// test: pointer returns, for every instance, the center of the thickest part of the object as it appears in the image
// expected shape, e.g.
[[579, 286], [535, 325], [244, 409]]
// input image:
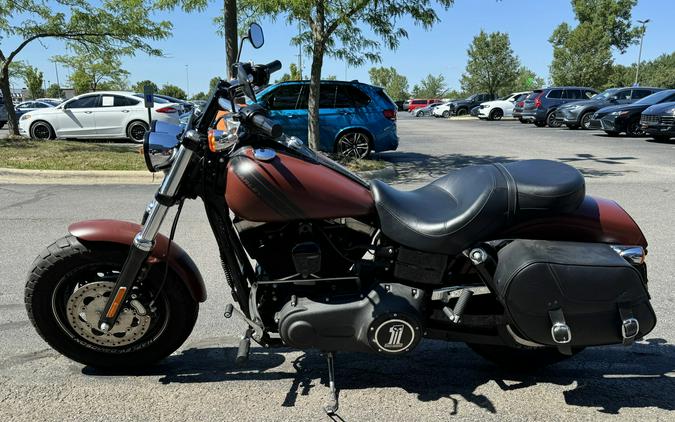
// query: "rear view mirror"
[[255, 35]]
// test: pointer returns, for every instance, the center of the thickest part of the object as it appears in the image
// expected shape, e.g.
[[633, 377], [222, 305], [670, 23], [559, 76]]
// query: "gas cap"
[[264, 154]]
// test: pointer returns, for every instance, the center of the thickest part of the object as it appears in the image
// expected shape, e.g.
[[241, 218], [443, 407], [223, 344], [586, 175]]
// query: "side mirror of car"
[[613, 99]]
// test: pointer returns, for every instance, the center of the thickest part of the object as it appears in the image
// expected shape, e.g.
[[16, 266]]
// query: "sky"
[[195, 53]]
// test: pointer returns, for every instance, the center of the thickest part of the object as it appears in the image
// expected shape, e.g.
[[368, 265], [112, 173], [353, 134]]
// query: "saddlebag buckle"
[[561, 333], [629, 330]]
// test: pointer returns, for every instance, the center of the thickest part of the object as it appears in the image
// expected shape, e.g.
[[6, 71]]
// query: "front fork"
[[144, 241]]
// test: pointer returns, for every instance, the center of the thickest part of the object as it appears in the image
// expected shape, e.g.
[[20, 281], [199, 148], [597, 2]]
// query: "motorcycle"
[[513, 259]]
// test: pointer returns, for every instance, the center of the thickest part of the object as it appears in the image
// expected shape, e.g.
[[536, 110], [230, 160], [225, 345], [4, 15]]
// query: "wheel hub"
[[84, 309]]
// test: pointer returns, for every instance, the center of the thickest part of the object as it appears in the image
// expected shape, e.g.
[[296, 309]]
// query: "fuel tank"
[[597, 220], [274, 185]]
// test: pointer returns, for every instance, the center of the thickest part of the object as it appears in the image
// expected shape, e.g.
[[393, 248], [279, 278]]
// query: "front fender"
[[123, 232]]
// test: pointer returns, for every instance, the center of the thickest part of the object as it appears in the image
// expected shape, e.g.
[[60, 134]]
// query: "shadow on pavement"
[[606, 378]]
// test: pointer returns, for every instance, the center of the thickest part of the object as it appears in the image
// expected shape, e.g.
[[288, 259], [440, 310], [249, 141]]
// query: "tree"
[[492, 65], [115, 26], [172, 91], [94, 70], [659, 72], [200, 96], [526, 80], [583, 55], [34, 81], [140, 86], [395, 85], [213, 84], [430, 87], [293, 76], [53, 91], [336, 28]]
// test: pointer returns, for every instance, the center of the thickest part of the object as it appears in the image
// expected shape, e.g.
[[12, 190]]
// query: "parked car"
[[503, 107], [658, 121], [415, 103], [518, 108], [540, 108], [355, 118], [109, 114], [55, 101], [3, 114], [474, 111], [578, 114], [401, 105], [185, 106], [626, 117], [442, 110], [26, 106], [426, 111], [461, 107]]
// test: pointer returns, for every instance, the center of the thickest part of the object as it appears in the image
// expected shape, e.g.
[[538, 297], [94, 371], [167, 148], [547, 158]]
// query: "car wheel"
[[612, 133], [539, 124], [585, 121], [446, 114], [419, 114], [353, 145], [634, 129], [496, 114], [550, 120], [461, 112], [136, 131], [42, 131], [523, 121]]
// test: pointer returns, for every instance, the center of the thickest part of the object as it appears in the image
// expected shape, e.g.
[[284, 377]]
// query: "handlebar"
[[273, 66], [254, 115]]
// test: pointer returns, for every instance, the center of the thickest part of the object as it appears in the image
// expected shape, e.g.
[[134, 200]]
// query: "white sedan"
[[503, 107], [97, 115]]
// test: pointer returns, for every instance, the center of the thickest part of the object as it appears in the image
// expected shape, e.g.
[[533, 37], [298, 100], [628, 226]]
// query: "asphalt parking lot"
[[438, 381]]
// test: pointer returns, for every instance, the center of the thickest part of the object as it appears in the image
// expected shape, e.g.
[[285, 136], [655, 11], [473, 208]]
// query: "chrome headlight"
[[26, 117], [159, 148]]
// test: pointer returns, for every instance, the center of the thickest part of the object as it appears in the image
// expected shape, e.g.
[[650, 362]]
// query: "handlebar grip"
[[268, 126], [273, 66]]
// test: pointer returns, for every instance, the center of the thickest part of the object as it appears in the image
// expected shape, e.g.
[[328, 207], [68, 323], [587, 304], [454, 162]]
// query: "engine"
[[387, 321]]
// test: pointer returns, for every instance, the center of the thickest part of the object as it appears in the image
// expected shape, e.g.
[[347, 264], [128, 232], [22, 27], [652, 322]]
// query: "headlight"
[[485, 106], [26, 117], [620, 113], [159, 148], [220, 140]]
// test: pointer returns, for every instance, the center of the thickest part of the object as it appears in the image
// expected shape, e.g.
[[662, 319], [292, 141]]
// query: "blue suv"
[[354, 118]]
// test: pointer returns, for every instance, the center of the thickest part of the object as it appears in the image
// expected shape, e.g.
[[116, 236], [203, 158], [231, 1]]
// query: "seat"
[[471, 204]]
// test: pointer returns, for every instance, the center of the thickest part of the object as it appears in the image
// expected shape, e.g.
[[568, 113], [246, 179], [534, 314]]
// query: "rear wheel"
[[521, 358], [550, 120], [353, 145], [136, 130], [496, 114], [41, 130], [585, 120], [68, 288]]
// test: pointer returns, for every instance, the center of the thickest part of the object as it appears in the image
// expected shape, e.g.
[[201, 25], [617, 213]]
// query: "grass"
[[21, 153], [356, 165]]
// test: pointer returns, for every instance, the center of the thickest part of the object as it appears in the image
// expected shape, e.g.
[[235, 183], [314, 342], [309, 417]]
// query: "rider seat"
[[473, 203]]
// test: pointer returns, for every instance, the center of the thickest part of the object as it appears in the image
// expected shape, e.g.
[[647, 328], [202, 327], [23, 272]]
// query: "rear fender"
[[123, 232]]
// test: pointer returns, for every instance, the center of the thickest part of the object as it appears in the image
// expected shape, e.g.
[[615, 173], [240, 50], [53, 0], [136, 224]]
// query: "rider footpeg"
[[244, 347], [455, 314]]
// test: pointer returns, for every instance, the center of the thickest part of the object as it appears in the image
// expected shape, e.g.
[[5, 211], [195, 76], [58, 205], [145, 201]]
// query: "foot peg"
[[455, 314], [244, 347], [331, 407]]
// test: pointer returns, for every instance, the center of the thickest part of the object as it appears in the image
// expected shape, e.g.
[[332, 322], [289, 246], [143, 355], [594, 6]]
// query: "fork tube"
[[144, 241]]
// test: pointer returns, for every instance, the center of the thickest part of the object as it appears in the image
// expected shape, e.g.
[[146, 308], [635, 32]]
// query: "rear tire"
[[550, 120], [353, 144], [66, 267], [520, 358]]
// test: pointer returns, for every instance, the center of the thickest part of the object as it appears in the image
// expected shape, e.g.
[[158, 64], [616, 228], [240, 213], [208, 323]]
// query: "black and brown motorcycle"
[[513, 259]]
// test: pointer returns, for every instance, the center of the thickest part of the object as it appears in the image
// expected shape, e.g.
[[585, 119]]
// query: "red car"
[[415, 103]]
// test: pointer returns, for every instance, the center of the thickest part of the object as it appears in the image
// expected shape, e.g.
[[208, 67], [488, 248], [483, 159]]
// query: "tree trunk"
[[231, 36], [13, 124], [318, 38]]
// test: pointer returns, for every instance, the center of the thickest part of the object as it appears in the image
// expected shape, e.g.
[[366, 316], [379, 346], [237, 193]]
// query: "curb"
[[79, 177]]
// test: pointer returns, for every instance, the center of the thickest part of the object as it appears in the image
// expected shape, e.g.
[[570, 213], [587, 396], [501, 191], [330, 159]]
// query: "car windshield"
[[656, 98], [155, 98], [506, 98], [471, 98], [604, 95]]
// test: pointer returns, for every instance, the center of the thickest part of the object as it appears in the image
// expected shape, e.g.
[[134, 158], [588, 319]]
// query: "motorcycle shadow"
[[606, 378]]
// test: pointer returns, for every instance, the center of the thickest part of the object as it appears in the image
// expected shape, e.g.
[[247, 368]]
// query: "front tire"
[[585, 120], [446, 114], [63, 311], [496, 114], [461, 112], [520, 358], [42, 131], [634, 129]]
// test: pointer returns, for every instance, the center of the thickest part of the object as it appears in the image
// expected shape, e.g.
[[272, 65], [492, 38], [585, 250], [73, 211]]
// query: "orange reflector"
[[116, 303]]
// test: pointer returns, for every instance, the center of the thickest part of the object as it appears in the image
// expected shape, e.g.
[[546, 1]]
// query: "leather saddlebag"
[[572, 294]]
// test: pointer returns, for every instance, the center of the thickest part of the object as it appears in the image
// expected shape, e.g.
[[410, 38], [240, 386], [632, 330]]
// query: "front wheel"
[[635, 129], [446, 114], [585, 120], [67, 290], [520, 358], [136, 131], [41, 131], [496, 114], [461, 112]]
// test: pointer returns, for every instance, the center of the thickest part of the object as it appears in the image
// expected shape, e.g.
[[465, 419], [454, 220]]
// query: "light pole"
[[187, 78], [642, 37]]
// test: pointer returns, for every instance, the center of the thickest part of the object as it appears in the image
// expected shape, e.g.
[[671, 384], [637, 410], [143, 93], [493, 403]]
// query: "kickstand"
[[331, 407]]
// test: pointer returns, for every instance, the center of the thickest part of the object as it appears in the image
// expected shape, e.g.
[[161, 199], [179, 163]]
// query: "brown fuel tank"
[[287, 187]]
